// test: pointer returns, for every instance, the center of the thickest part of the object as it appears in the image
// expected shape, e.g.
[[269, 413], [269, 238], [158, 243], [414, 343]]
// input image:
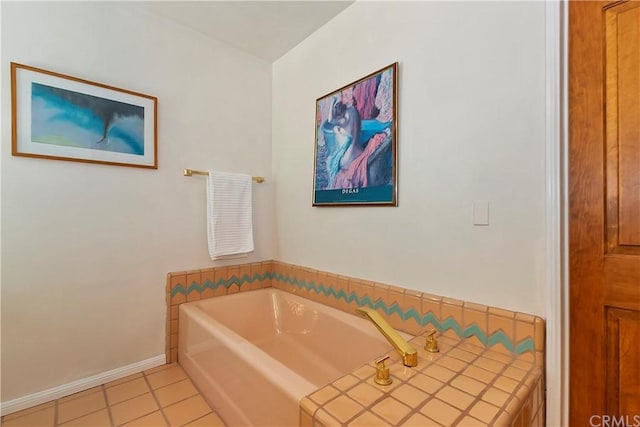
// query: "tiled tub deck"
[[463, 385], [489, 370]]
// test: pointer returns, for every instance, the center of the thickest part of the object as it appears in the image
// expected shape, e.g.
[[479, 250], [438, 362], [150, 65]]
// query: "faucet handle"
[[431, 345], [382, 372]]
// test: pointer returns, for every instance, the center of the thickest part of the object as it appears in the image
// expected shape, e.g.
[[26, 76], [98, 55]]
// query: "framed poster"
[[355, 143], [66, 118]]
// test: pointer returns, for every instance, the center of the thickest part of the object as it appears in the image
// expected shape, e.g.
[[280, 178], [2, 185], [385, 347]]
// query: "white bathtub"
[[254, 355]]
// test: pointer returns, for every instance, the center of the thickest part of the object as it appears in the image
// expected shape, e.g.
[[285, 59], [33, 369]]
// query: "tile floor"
[[162, 396]]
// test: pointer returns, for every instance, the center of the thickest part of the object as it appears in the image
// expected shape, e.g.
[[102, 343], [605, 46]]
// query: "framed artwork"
[[355, 143], [66, 118]]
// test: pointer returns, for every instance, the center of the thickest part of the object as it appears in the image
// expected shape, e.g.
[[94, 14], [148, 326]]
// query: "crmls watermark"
[[614, 421]]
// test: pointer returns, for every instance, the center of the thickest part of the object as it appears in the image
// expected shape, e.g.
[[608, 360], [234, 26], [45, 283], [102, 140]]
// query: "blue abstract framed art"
[[355, 160], [60, 117]]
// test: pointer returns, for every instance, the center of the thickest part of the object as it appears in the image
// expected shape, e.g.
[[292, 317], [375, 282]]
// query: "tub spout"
[[406, 350]]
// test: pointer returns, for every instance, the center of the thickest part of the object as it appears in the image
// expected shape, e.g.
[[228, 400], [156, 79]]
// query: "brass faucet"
[[431, 345], [406, 350]]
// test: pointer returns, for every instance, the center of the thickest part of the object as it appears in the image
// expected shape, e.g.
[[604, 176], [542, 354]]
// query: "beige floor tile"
[[125, 391], [123, 380], [84, 405], [27, 411], [154, 419], [186, 411], [41, 418], [133, 408], [133, 403], [175, 392], [166, 377], [160, 368], [96, 419], [211, 420], [79, 394]]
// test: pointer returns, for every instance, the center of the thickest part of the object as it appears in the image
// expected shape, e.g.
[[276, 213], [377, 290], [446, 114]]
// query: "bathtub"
[[254, 355]]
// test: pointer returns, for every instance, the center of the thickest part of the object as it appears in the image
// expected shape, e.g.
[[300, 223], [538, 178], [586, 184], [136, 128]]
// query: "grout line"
[[168, 384], [430, 396], [108, 406], [153, 394], [104, 393], [199, 418], [182, 400], [57, 402], [55, 412], [179, 381], [126, 400], [81, 416], [141, 416], [119, 381], [464, 412]]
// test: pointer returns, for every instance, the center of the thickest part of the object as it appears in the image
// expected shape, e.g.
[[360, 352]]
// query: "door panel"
[[623, 363], [604, 209], [622, 105]]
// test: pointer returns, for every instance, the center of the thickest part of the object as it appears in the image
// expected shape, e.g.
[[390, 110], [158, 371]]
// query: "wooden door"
[[604, 212]]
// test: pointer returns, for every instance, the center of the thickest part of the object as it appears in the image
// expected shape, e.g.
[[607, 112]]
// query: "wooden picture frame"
[[60, 117], [355, 161]]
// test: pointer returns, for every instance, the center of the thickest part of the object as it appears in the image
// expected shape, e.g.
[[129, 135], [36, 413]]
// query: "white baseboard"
[[79, 385]]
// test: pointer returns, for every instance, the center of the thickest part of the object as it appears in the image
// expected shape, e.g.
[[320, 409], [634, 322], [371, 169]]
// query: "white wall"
[[86, 247], [471, 127]]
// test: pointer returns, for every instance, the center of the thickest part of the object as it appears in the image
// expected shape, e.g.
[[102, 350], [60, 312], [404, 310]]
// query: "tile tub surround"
[[187, 286], [463, 385], [415, 312], [407, 310], [515, 337]]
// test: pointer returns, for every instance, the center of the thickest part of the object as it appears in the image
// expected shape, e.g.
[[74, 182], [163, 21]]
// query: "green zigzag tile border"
[[498, 337], [225, 283]]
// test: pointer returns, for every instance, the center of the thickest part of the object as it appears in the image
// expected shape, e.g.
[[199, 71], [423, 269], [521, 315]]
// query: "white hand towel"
[[229, 223]]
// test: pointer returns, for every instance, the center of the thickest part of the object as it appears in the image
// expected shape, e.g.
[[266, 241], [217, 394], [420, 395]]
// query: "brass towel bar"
[[189, 172]]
